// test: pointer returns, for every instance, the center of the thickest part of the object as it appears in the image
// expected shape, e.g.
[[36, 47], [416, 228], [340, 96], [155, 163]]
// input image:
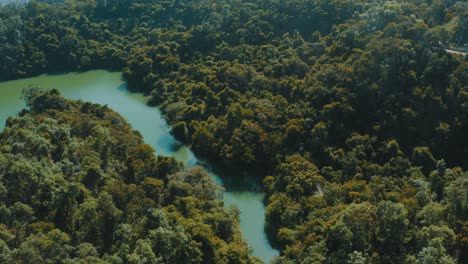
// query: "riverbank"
[[108, 88]]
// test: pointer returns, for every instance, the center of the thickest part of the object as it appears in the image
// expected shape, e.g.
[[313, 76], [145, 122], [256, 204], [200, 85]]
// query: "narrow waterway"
[[105, 87]]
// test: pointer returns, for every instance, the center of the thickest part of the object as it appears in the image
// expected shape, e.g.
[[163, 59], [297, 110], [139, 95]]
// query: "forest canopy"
[[351, 111]]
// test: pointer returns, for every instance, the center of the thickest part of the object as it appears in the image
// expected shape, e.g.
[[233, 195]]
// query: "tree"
[[434, 253], [392, 228]]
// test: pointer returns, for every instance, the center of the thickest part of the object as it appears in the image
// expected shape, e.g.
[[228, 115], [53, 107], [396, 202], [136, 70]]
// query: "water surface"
[[105, 87]]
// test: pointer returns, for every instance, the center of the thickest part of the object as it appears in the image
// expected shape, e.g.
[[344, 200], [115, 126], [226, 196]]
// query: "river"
[[105, 87]]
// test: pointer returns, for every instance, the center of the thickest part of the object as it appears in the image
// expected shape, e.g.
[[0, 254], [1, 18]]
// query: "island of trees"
[[350, 111]]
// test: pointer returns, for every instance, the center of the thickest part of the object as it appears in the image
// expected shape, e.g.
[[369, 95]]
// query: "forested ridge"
[[351, 111], [78, 185]]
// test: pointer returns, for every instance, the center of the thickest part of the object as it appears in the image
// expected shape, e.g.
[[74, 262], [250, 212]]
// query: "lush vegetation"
[[353, 108], [77, 185]]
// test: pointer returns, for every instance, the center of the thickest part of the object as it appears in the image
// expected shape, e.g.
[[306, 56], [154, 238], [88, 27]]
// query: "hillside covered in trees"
[[77, 185], [350, 111]]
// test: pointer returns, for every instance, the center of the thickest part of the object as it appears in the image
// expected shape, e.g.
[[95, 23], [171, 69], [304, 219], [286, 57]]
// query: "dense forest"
[[351, 111], [77, 185]]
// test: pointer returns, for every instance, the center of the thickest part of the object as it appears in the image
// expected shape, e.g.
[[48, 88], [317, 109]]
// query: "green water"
[[105, 87]]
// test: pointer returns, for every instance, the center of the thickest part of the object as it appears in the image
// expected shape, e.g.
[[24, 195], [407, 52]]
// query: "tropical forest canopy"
[[351, 111]]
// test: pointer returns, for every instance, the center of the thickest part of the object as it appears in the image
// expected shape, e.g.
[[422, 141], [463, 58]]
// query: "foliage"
[[351, 111]]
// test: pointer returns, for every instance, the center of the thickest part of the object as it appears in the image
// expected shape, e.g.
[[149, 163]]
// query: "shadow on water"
[[174, 146], [123, 87], [235, 180]]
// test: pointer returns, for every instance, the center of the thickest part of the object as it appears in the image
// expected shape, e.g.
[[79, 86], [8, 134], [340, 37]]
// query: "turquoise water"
[[105, 87]]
